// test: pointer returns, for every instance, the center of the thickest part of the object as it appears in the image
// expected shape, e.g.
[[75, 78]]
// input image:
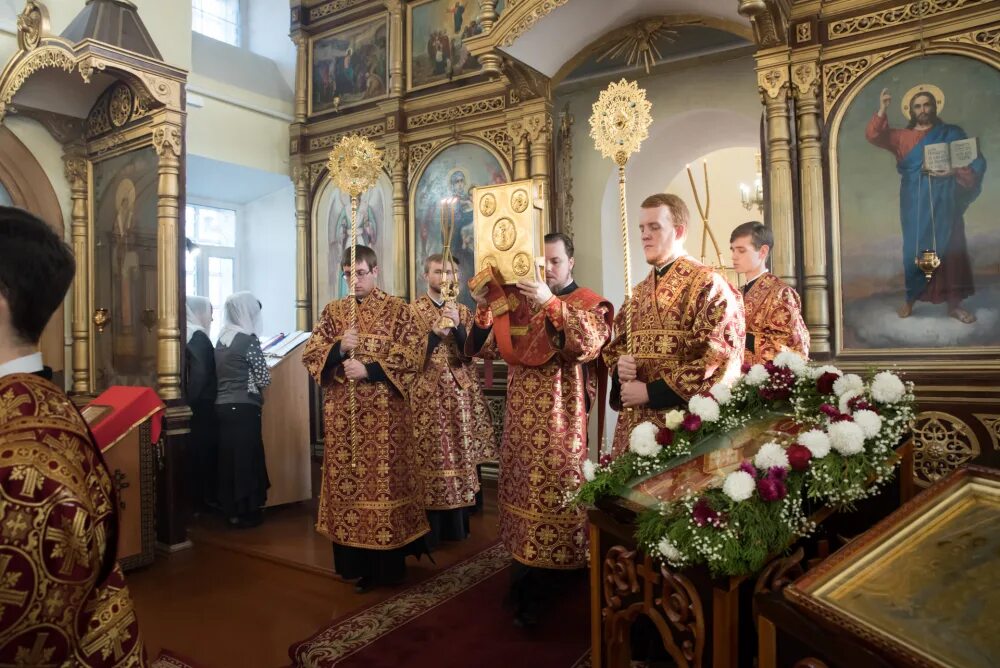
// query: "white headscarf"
[[199, 316], [240, 315]]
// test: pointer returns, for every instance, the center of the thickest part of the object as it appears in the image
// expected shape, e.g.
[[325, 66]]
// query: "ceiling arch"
[[571, 29]]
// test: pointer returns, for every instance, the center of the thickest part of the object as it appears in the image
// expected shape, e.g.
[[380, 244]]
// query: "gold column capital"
[[773, 82], [167, 140], [805, 79]]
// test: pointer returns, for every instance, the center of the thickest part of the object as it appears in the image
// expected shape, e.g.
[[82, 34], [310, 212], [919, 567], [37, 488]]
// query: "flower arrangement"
[[842, 451]]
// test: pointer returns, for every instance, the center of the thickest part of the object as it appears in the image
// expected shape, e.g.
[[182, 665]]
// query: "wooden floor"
[[241, 597]]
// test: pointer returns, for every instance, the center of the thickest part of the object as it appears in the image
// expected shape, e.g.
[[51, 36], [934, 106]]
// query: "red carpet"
[[454, 620]]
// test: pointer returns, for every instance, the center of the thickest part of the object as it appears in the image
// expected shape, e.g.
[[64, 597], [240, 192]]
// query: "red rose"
[[691, 422], [824, 384], [664, 436], [798, 456], [771, 489]]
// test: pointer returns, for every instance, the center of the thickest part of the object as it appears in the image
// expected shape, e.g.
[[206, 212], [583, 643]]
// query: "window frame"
[[209, 251], [241, 24]]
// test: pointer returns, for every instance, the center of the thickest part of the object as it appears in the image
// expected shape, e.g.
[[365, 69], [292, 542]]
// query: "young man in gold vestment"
[[687, 326], [63, 599], [371, 504], [772, 308], [451, 423], [544, 440]]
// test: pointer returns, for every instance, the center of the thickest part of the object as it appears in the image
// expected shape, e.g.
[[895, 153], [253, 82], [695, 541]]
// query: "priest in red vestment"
[[771, 307], [544, 444], [370, 504], [63, 599], [687, 326], [451, 424]]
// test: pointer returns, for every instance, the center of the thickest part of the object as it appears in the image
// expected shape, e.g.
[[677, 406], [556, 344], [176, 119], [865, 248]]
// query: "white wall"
[[267, 257]]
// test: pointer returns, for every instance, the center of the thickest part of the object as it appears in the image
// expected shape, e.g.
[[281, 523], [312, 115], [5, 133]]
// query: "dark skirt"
[[243, 480], [378, 567], [448, 525], [203, 456]]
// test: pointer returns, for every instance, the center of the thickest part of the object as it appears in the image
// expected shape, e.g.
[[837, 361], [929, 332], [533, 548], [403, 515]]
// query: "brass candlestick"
[[354, 167], [618, 125]]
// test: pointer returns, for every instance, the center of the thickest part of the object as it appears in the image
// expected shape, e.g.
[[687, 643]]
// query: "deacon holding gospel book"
[[941, 175]]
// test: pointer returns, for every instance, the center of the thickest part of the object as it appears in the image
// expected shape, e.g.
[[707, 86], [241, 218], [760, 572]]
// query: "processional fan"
[[354, 166]]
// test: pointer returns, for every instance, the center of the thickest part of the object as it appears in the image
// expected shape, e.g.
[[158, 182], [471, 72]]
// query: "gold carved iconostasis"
[[400, 74], [880, 127], [103, 92]]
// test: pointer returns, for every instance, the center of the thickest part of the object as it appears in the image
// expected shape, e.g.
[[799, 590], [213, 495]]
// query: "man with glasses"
[[370, 504]]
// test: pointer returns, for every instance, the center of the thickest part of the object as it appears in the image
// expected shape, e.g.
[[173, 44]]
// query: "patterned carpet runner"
[[454, 620]]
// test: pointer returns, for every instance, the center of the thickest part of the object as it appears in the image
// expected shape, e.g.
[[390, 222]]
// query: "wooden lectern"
[[126, 423], [285, 421]]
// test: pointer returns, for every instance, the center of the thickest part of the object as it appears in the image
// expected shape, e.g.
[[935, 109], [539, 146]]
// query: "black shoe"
[[364, 585]]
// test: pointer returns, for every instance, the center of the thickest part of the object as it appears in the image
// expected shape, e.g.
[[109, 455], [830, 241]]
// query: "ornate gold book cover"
[[509, 225]]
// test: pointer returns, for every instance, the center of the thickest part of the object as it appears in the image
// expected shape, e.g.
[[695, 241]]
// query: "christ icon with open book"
[[941, 174]]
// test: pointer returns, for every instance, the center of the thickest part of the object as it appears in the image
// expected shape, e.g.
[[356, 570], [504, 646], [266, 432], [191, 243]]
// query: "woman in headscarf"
[[200, 386], [243, 375]]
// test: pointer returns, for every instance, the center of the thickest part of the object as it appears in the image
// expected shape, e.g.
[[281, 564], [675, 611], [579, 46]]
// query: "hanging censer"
[[927, 260]]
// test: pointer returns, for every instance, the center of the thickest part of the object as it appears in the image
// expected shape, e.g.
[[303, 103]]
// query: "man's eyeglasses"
[[361, 274]]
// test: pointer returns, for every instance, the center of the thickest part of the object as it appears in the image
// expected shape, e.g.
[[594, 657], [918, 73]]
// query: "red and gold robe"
[[773, 314], [63, 598], [452, 433], [544, 440], [687, 330], [369, 496]]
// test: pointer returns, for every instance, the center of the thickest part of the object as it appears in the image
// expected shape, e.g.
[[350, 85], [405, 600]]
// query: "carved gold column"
[[77, 175], [167, 141], [519, 135], [487, 14], [301, 76], [396, 47], [300, 178], [805, 84], [396, 163], [773, 86]]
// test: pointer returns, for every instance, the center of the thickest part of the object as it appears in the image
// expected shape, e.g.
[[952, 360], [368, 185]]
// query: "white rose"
[[589, 470], [757, 375], [673, 419], [849, 383], [791, 360], [769, 456], [887, 388], [847, 438], [704, 407], [817, 441], [669, 551], [870, 422], [721, 393], [739, 486], [642, 440]]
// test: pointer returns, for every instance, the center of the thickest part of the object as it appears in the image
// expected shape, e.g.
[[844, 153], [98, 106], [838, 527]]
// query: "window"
[[218, 19], [210, 265]]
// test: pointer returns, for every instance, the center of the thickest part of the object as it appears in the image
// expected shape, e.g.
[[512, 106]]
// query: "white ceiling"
[[568, 29], [216, 181]]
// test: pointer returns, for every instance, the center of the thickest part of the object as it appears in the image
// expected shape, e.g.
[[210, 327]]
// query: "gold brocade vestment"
[[687, 330], [63, 598], [544, 440], [451, 422], [774, 318], [376, 503]]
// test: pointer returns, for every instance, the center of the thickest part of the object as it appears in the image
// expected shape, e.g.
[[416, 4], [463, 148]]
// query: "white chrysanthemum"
[[642, 441], [850, 383], [757, 375], [845, 399], [589, 470], [704, 407], [769, 456], [721, 393], [673, 419], [818, 371], [817, 441], [887, 388], [791, 360], [669, 550], [870, 422], [739, 486], [847, 438]]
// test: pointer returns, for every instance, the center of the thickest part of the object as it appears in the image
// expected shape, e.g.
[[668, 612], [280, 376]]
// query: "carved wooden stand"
[[701, 620]]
